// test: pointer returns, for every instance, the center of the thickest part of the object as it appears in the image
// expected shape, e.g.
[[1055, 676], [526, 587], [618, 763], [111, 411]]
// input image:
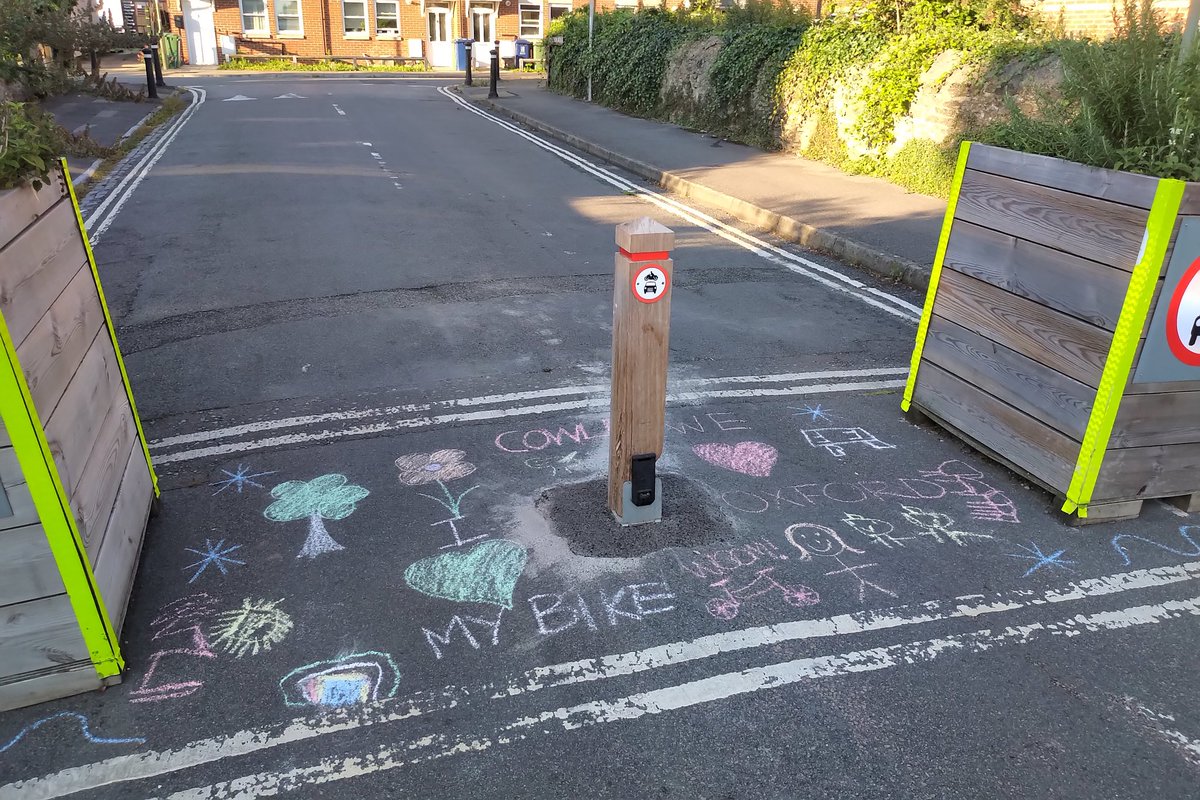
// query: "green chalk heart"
[[487, 573]]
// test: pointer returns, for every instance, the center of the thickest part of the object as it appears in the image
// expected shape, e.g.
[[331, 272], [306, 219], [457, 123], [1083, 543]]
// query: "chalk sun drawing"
[[756, 459], [835, 440], [240, 479], [817, 540], [330, 497], [1183, 531], [213, 556], [84, 729], [1034, 553], [348, 680], [815, 413], [418, 469], [256, 627], [487, 573]]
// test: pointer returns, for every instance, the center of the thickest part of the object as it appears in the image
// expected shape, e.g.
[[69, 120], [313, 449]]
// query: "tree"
[[330, 497]]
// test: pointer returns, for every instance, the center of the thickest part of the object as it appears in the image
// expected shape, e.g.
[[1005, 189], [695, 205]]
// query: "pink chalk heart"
[[748, 458]]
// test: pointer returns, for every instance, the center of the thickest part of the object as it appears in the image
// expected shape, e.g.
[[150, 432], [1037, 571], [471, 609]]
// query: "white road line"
[[1188, 747], [684, 696], [377, 428], [138, 766], [338, 110], [104, 214], [826, 276], [496, 399]]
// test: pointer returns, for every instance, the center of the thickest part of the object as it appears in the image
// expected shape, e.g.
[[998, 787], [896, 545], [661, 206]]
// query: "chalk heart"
[[748, 458], [487, 573]]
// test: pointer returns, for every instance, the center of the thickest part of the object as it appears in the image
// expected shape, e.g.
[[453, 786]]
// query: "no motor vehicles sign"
[[1172, 351]]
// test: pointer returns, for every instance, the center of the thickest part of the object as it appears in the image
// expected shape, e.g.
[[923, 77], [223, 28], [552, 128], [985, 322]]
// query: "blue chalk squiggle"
[[83, 728], [1183, 531]]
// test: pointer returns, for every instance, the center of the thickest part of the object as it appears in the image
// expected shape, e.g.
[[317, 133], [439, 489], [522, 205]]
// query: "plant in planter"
[[28, 145]]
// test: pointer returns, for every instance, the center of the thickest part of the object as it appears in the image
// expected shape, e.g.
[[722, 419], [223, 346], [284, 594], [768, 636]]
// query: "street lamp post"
[[591, 26]]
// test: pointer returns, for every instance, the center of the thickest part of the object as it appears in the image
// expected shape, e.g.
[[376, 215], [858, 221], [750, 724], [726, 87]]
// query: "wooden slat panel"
[[10, 468], [1153, 419], [1036, 448], [40, 687], [122, 545], [1094, 229], [1118, 187], [1061, 402], [54, 349], [20, 207], [92, 500], [1191, 200], [37, 266], [1063, 343], [23, 509], [75, 424], [27, 567], [1142, 472], [1085, 289], [39, 634]]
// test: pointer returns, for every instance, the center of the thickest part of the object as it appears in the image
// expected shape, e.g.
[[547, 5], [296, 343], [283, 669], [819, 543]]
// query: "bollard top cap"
[[644, 235]]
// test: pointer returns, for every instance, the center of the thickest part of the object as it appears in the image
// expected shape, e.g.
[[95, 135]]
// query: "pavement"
[[864, 221], [368, 292]]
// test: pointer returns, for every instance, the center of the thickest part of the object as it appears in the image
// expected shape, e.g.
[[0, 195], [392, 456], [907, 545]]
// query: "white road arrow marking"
[[290, 96], [236, 97]]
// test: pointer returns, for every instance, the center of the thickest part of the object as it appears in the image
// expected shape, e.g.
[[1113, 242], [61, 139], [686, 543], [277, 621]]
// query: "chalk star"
[[239, 479], [814, 413], [1054, 559], [213, 555]]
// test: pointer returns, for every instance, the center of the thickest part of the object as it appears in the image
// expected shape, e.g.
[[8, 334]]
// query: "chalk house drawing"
[[487, 573], [836, 440], [348, 680], [756, 459], [419, 469], [257, 626], [330, 497], [84, 729]]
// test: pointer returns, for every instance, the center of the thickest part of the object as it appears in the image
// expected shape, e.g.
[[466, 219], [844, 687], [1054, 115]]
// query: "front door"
[[441, 49], [483, 28], [201, 33]]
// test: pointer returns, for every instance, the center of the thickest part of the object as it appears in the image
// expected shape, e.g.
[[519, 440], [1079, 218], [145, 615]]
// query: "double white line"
[[104, 214], [830, 278]]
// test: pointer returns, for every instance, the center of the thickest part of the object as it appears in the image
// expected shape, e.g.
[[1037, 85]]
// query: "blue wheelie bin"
[[462, 51]]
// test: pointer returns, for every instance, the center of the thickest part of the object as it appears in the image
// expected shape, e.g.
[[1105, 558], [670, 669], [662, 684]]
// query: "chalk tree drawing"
[[487, 573], [756, 459], [347, 680], [937, 525], [879, 531], [184, 617], [240, 479], [1117, 543], [817, 540], [418, 469], [330, 497], [986, 503], [213, 555], [84, 729], [1034, 553], [258, 625], [729, 603], [835, 440]]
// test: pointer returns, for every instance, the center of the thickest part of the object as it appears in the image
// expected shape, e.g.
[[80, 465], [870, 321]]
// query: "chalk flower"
[[443, 465]]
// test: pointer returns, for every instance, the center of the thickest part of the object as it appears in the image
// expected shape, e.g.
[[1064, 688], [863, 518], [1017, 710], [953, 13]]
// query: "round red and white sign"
[[1183, 317], [650, 283]]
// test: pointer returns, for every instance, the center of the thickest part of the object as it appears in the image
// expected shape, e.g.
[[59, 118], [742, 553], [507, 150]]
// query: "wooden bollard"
[[641, 323]]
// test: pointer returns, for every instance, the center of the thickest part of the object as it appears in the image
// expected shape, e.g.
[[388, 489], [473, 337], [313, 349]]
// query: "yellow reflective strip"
[[935, 275], [112, 333], [50, 499], [1131, 323]]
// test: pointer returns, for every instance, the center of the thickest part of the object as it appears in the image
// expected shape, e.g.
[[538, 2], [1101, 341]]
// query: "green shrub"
[[747, 69], [28, 145]]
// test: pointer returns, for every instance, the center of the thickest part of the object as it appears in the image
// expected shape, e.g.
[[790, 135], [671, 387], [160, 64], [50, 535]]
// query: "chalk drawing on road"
[[348, 680], [634, 601], [1183, 531], [986, 503], [213, 555], [487, 573], [330, 497], [184, 617], [434, 639], [937, 526], [240, 479], [418, 469], [835, 440], [1034, 553], [568, 463], [879, 531], [719, 563], [814, 540], [697, 425], [756, 459], [84, 729], [257, 626], [815, 413], [729, 603]]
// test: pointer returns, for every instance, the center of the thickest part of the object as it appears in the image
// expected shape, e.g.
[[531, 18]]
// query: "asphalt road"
[[344, 278]]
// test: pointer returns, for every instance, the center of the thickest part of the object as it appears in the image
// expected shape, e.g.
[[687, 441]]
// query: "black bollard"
[[158, 78], [492, 93], [147, 57], [497, 43], [470, 58]]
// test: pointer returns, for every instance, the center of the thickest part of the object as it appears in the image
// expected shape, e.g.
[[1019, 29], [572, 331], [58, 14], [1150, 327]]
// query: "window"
[[531, 20], [287, 17], [559, 10], [354, 16], [254, 18], [387, 17]]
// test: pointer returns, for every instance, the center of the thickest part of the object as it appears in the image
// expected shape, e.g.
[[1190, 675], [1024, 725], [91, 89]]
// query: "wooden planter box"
[[76, 484], [1045, 336]]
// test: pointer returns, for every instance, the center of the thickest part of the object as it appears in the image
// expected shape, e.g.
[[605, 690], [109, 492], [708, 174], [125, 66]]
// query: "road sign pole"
[[641, 324], [591, 27]]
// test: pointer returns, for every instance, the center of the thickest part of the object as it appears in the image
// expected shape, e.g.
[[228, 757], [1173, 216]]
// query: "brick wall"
[[1095, 17]]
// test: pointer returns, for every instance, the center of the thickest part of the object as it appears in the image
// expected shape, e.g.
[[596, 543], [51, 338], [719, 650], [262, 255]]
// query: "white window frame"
[[565, 8], [522, 5], [299, 16], [266, 18], [387, 33], [366, 17]]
